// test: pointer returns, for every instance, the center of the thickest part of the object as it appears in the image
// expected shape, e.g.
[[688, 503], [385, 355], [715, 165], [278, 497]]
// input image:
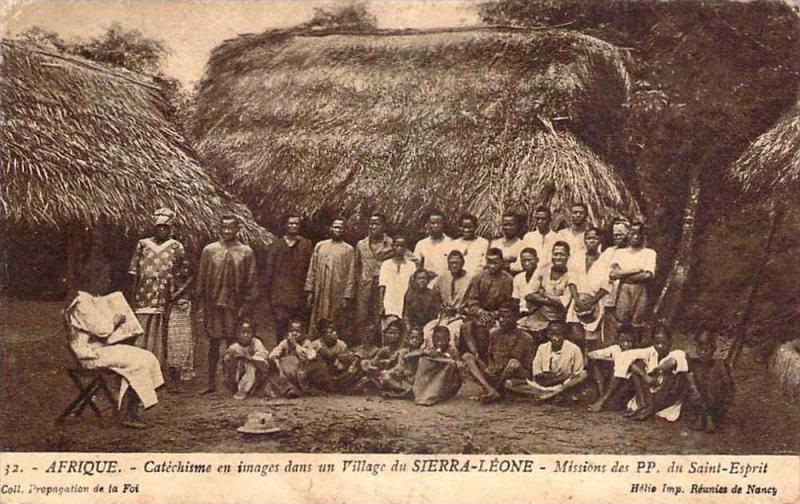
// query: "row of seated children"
[[653, 380], [297, 366], [659, 380]]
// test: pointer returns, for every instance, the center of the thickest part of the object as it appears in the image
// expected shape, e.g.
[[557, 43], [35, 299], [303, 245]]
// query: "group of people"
[[539, 313]]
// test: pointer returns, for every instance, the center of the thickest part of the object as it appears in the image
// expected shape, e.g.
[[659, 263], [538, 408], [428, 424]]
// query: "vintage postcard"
[[400, 251]]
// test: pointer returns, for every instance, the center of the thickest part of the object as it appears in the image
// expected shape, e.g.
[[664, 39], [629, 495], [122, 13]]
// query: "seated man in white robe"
[[96, 325]]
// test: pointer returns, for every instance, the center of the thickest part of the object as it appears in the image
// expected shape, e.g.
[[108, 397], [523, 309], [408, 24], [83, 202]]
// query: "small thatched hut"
[[770, 169], [771, 163], [402, 121], [85, 145]]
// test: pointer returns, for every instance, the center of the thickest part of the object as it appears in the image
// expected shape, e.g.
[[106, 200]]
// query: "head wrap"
[[623, 225], [163, 216]]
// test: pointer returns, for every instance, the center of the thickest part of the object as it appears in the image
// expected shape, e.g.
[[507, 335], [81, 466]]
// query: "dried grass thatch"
[[771, 163], [84, 144], [404, 121]]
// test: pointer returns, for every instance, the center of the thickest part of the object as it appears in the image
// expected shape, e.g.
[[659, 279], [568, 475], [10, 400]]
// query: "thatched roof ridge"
[[85, 143], [405, 120], [771, 163]]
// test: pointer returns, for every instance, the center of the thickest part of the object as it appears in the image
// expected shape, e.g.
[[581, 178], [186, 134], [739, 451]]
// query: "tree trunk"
[[73, 273], [671, 297], [775, 218]]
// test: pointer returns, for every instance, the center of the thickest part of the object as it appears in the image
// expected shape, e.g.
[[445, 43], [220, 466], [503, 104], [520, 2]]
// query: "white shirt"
[[567, 362], [434, 254], [591, 281], [630, 258], [606, 259], [394, 277], [474, 253], [575, 241], [543, 244], [511, 250], [523, 287]]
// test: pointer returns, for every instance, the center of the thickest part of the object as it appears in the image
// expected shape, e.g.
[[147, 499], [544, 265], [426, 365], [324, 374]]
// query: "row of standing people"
[[573, 283], [374, 276]]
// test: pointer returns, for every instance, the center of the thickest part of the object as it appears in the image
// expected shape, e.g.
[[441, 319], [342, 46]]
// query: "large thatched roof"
[[477, 120], [771, 163], [83, 143]]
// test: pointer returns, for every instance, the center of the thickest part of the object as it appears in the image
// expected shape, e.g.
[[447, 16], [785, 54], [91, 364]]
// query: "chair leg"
[[94, 386], [109, 396]]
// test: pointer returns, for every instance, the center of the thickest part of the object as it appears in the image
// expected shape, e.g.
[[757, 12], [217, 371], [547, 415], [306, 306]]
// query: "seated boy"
[[661, 389], [245, 363], [601, 361], [510, 355], [441, 344], [335, 368], [395, 377], [386, 355], [711, 388], [626, 362], [558, 366], [288, 361]]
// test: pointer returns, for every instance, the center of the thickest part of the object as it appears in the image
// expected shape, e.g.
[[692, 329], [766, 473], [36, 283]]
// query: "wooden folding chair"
[[89, 383]]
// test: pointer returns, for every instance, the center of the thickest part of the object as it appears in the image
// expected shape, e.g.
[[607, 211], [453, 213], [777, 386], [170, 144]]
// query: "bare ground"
[[35, 389]]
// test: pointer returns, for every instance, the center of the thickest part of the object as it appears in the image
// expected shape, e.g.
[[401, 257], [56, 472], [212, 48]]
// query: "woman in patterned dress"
[[159, 272]]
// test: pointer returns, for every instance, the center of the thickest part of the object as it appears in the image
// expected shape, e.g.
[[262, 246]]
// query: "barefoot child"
[[386, 356], [335, 368], [558, 366], [660, 390], [626, 362], [288, 361], [601, 361], [711, 389], [398, 380], [510, 355], [245, 363], [442, 346]]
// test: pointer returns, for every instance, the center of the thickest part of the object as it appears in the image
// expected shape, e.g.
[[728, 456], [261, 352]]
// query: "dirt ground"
[[35, 389]]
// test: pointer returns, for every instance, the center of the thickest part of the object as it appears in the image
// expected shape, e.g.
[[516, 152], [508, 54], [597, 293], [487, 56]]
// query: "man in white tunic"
[[473, 248], [542, 237], [432, 250]]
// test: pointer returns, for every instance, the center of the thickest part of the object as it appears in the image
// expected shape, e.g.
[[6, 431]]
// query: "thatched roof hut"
[[84, 144], [401, 121], [771, 163]]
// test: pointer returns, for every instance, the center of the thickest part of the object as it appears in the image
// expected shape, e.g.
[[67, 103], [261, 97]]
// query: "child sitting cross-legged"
[[334, 368], [289, 360], [557, 366], [245, 363], [392, 372], [660, 391]]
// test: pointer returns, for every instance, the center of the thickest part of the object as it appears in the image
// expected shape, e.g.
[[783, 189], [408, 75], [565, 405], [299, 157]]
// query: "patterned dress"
[[158, 270]]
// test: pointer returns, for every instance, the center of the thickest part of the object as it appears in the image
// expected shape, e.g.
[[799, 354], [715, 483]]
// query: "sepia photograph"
[[489, 227]]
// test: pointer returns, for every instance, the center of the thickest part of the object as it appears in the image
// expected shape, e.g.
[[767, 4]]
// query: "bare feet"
[[597, 406], [630, 413], [644, 414], [134, 423], [490, 398], [209, 390], [710, 425]]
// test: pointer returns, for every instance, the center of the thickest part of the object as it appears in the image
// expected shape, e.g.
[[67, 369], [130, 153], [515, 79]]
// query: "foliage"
[[352, 16], [117, 46]]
